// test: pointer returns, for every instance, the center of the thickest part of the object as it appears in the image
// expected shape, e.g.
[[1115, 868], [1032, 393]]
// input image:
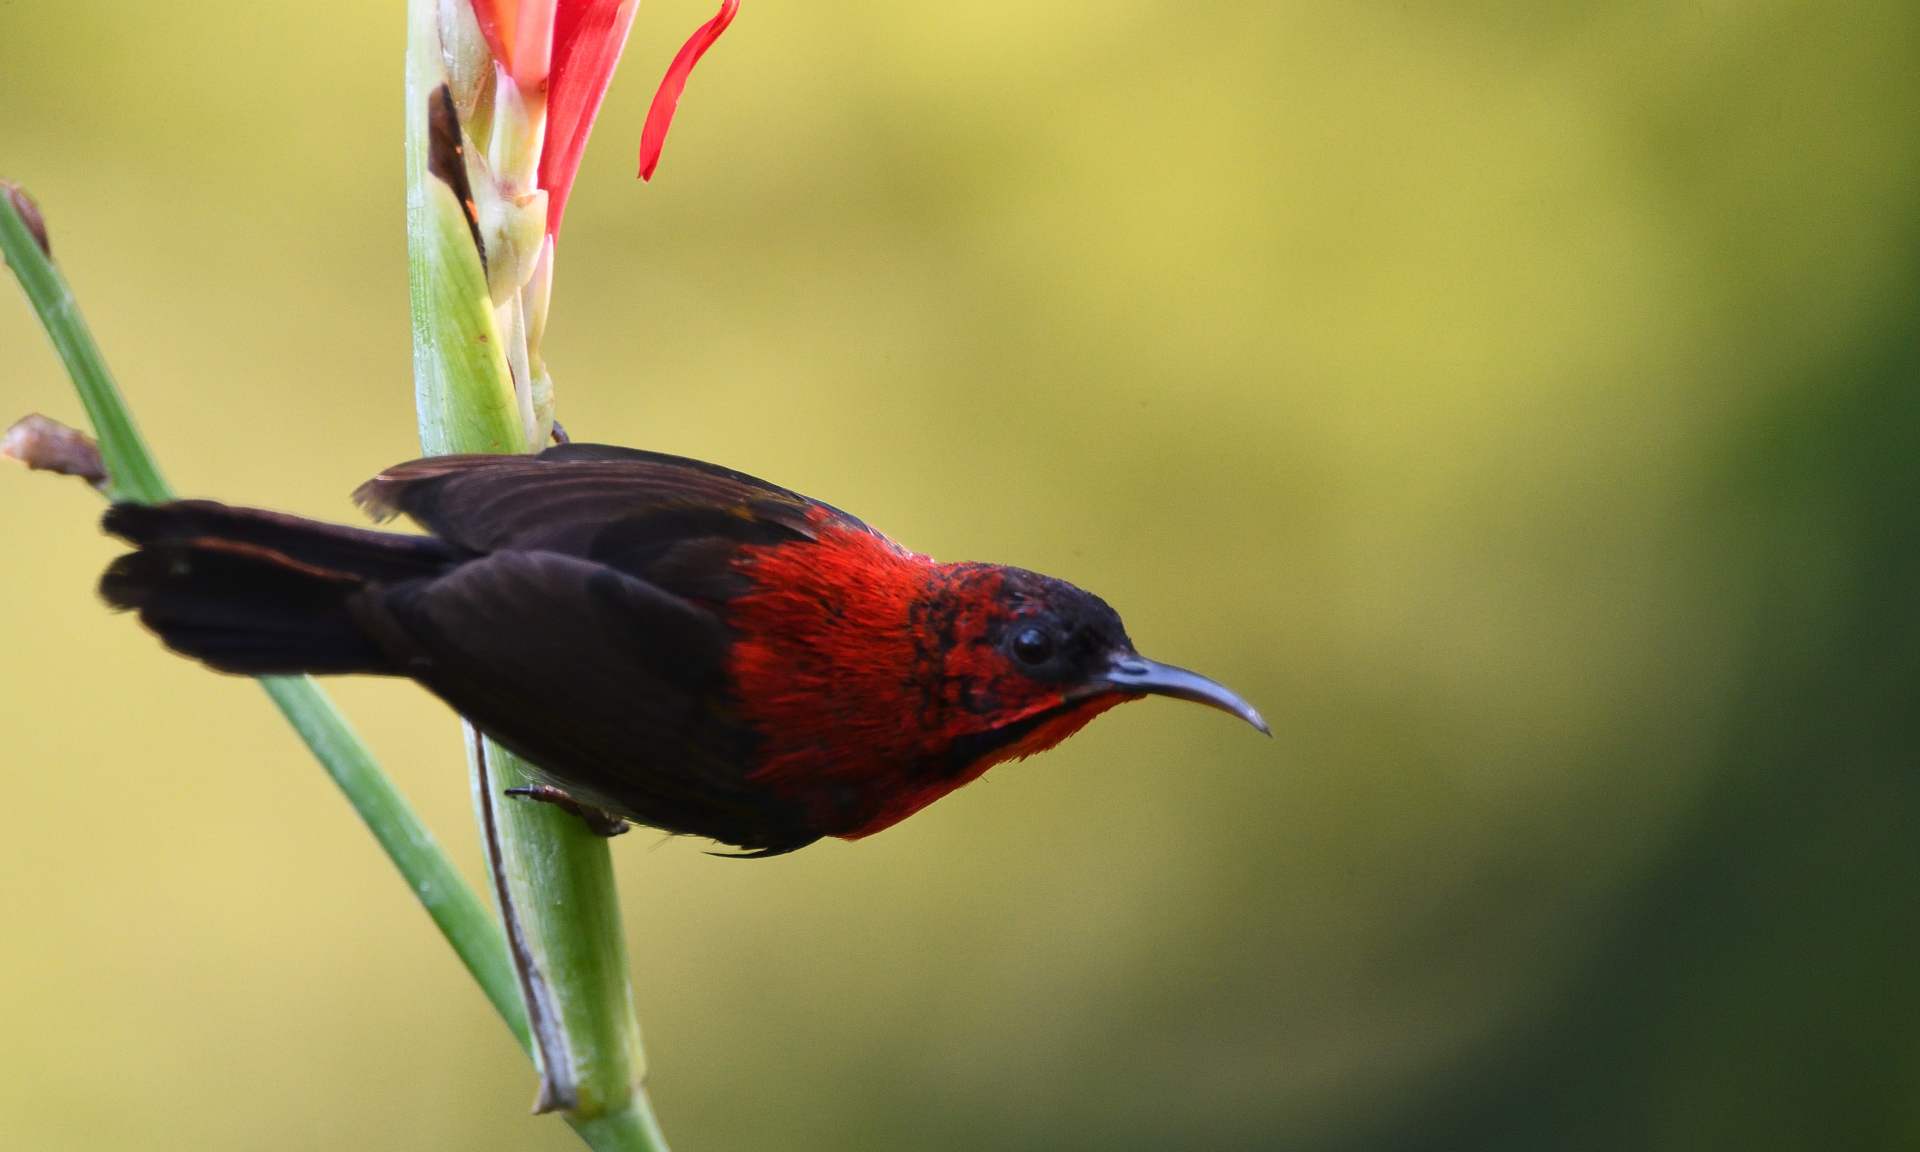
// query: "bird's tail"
[[257, 592]]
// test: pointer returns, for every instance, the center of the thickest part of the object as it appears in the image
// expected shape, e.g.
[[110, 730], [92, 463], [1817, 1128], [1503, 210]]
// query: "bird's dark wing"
[[560, 499], [614, 687]]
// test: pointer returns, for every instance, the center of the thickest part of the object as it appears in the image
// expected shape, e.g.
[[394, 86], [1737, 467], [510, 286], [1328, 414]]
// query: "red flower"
[[653, 136], [520, 33], [572, 46], [587, 38]]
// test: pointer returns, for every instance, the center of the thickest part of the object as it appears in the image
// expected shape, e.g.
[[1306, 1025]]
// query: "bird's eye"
[[1033, 646]]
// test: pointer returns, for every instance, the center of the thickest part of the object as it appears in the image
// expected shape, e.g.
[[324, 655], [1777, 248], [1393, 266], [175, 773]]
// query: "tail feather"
[[359, 551], [257, 592]]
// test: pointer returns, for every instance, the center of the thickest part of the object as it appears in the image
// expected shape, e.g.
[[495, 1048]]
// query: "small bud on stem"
[[29, 214], [46, 445]]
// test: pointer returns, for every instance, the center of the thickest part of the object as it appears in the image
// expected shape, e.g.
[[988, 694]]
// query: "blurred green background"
[[1518, 402]]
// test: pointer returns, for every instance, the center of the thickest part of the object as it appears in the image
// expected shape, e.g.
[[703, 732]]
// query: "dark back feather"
[[671, 521], [566, 494]]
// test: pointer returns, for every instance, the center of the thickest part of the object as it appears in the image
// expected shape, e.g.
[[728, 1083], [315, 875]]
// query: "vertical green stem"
[[553, 877]]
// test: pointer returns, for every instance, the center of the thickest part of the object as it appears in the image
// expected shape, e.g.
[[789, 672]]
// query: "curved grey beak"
[[1137, 674]]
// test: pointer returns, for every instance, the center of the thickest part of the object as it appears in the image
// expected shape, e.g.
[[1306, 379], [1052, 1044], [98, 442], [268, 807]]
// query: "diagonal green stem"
[[461, 916], [133, 475], [131, 471]]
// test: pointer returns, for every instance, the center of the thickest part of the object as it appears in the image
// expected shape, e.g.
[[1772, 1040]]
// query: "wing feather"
[[613, 686], [560, 499]]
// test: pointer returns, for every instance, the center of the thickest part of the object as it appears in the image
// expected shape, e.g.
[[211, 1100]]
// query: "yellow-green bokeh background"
[[1516, 401]]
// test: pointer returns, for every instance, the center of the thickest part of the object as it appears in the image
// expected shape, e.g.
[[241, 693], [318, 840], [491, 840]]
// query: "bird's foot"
[[598, 820]]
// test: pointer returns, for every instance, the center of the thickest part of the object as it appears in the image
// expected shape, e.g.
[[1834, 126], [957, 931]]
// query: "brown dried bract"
[[30, 213], [46, 445], [446, 159]]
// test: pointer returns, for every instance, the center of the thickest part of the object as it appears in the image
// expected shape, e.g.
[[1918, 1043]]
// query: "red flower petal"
[[520, 35], [587, 38], [654, 135]]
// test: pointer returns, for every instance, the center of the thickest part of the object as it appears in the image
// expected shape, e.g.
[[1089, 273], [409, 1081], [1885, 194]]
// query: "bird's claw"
[[599, 821]]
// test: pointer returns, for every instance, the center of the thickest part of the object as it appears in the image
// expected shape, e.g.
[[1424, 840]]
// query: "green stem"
[[553, 877], [133, 475], [462, 918]]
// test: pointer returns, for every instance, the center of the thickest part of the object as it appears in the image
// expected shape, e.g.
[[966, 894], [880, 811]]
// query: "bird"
[[669, 643]]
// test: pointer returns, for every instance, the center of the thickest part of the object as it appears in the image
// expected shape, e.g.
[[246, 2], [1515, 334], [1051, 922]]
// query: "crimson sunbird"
[[669, 642]]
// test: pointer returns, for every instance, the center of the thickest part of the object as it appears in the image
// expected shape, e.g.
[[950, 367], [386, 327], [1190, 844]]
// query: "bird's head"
[[1026, 660], [879, 681]]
